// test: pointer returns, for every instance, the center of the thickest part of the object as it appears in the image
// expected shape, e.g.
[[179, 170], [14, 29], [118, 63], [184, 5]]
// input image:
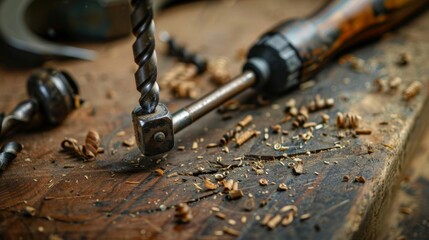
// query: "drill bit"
[[8, 152], [183, 54], [143, 28], [22, 115]]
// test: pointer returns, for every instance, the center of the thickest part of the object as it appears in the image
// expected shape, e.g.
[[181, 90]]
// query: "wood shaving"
[[299, 167], [183, 213], [235, 194], [274, 221], [263, 182], [288, 219], [231, 231], [31, 211], [129, 142], [210, 185], [282, 187], [412, 90], [305, 216], [360, 179], [159, 172]]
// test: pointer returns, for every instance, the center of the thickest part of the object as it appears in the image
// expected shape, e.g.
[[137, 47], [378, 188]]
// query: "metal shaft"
[[187, 115]]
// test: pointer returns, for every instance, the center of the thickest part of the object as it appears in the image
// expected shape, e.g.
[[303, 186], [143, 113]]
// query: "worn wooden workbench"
[[118, 195]]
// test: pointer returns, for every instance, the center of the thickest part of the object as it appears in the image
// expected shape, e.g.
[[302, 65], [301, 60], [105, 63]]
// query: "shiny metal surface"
[[189, 114]]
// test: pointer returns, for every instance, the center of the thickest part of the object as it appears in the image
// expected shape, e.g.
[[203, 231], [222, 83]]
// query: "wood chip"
[[274, 221], [181, 148], [346, 178], [406, 210], [212, 145], [363, 131], [325, 118], [194, 145], [412, 90], [263, 182], [245, 136], [231, 222], [231, 231], [227, 185], [210, 185], [31, 211], [266, 219], [92, 143], [129, 142], [235, 194], [159, 171], [282, 187], [309, 124], [360, 179], [120, 134], [245, 121], [288, 219], [183, 213], [305, 216], [249, 204], [299, 167]]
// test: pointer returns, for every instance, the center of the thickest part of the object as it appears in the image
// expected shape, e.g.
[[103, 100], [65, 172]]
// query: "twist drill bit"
[[183, 54], [143, 28], [152, 121], [8, 152], [53, 96]]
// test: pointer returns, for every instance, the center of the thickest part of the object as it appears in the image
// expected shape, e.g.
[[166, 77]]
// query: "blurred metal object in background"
[[77, 20]]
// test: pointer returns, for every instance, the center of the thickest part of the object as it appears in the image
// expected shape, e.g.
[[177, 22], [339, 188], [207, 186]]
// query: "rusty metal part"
[[22, 46], [8, 152], [53, 96]]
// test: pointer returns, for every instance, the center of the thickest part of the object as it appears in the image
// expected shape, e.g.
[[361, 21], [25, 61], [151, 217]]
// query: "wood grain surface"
[[118, 195]]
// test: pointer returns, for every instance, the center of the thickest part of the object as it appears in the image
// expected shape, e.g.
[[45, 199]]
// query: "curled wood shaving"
[[92, 143], [210, 185], [288, 219], [88, 151]]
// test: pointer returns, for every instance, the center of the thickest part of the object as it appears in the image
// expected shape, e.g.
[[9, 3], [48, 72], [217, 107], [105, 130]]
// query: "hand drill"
[[281, 59]]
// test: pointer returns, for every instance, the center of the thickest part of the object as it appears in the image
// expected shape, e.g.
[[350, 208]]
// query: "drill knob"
[[53, 96], [56, 93]]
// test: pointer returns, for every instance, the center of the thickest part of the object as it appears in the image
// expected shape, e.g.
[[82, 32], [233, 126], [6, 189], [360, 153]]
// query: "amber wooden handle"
[[341, 24]]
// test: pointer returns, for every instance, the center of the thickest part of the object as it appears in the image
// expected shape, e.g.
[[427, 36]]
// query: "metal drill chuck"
[[144, 55], [53, 96]]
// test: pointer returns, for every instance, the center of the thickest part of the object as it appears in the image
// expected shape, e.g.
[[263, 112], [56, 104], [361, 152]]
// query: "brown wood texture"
[[119, 196]]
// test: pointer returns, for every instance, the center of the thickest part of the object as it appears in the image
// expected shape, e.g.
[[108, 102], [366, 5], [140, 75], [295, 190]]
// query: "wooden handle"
[[342, 24]]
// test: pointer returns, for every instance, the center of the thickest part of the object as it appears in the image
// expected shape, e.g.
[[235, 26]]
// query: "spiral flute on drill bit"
[[145, 55], [153, 125]]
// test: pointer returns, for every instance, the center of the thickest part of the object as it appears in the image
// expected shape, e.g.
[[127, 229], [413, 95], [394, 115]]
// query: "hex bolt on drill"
[[53, 96], [281, 59]]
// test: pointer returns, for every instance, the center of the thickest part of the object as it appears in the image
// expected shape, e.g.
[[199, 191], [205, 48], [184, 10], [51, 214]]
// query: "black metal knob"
[[53, 96]]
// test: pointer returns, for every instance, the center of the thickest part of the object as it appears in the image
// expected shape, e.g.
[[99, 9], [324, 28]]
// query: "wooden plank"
[[119, 196]]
